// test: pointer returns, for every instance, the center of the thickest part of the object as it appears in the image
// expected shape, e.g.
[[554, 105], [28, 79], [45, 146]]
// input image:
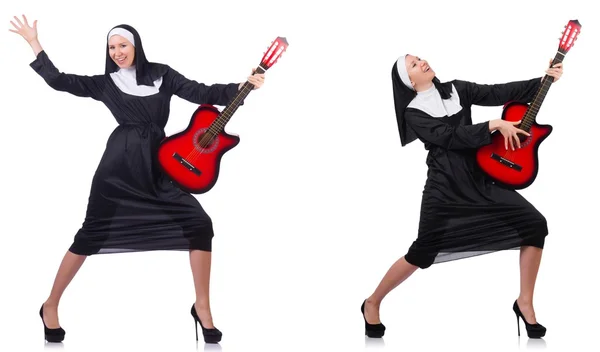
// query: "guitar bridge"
[[506, 162], [186, 164]]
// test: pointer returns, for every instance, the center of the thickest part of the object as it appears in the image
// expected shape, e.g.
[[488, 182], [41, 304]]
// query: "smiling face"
[[421, 75], [121, 51]]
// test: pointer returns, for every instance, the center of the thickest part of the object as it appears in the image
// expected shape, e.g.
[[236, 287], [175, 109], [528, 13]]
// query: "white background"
[[319, 199]]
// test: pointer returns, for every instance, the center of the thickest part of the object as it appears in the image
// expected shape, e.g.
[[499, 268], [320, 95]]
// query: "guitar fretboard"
[[219, 123], [536, 104]]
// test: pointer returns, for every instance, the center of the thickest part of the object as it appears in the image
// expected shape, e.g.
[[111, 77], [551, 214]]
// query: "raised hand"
[[24, 29]]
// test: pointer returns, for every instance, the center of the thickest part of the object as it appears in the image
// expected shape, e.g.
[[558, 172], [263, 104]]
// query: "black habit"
[[463, 212], [132, 205]]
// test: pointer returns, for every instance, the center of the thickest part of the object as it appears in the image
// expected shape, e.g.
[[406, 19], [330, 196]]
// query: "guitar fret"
[[224, 117]]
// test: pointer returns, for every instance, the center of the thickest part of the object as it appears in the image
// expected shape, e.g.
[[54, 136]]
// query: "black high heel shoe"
[[372, 330], [534, 331], [51, 335], [210, 335]]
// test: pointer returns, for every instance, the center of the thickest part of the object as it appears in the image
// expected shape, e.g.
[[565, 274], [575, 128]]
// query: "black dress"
[[132, 205], [463, 212]]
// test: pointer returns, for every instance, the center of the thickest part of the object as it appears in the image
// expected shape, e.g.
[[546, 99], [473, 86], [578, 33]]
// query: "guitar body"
[[516, 169], [195, 169]]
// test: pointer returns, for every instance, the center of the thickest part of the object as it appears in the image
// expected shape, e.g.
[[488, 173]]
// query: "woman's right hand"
[[24, 29], [509, 131]]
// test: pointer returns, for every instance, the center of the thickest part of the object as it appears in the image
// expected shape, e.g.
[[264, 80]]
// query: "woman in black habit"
[[463, 212], [132, 205]]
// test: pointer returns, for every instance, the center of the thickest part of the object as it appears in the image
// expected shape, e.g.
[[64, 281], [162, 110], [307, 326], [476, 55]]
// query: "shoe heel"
[[213, 335], [52, 335], [534, 331], [372, 330]]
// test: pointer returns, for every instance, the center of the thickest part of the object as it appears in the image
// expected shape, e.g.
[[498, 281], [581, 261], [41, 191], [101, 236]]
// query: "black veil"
[[146, 72]]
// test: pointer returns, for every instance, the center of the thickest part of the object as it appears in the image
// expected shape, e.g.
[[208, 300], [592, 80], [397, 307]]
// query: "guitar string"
[[200, 145], [528, 118], [545, 89], [246, 89], [528, 115], [211, 133], [195, 153], [221, 124]]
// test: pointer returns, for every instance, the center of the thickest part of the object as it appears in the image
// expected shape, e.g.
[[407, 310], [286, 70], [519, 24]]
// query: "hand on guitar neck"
[[256, 79], [555, 71]]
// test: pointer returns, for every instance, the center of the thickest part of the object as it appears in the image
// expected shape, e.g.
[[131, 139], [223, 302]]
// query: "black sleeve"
[[81, 86], [199, 93], [437, 132], [497, 94]]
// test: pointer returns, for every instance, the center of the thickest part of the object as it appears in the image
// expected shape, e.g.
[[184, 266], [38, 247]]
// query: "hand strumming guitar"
[[509, 131]]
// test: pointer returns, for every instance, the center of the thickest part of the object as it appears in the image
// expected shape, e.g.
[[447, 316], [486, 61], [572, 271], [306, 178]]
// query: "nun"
[[463, 212], [132, 206]]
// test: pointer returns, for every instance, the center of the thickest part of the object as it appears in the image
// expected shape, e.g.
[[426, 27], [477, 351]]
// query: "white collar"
[[125, 80], [429, 91], [430, 102]]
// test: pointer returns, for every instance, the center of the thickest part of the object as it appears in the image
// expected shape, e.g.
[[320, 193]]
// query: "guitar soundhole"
[[205, 142], [525, 140]]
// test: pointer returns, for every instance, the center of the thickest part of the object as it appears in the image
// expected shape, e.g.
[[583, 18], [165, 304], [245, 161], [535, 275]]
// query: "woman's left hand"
[[555, 71], [256, 79]]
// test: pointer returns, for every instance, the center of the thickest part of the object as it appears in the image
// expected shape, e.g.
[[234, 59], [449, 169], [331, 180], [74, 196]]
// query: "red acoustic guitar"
[[518, 169], [191, 158]]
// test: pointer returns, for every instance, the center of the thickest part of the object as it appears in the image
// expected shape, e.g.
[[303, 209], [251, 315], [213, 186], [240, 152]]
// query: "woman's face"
[[419, 71], [121, 51]]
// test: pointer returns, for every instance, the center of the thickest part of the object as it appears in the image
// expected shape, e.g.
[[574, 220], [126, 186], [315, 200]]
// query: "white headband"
[[123, 33], [401, 65]]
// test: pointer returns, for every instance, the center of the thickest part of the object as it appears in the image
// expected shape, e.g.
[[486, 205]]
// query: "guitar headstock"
[[569, 36], [277, 48]]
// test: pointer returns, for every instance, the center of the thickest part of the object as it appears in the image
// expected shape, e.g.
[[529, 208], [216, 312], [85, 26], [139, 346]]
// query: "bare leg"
[[200, 262], [529, 258], [68, 268], [397, 273]]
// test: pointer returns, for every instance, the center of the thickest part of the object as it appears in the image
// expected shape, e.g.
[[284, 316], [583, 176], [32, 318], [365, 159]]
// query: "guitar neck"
[[536, 104], [224, 117]]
